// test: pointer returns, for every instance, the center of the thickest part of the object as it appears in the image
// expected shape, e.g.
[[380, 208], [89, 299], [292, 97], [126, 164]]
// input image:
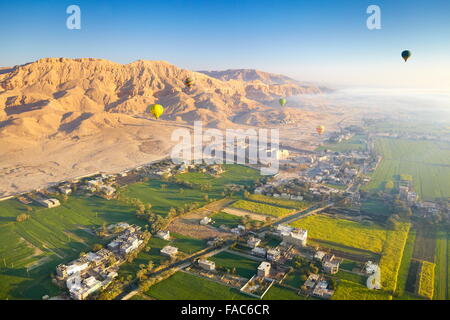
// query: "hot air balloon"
[[406, 55], [320, 129], [156, 110], [189, 82], [282, 102]]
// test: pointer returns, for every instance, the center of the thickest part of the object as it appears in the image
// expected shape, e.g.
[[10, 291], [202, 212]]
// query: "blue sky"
[[324, 41]]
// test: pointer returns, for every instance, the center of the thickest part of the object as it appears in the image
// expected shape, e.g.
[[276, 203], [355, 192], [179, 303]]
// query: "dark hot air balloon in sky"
[[406, 55]]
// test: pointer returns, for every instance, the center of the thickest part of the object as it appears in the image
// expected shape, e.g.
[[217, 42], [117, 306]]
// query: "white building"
[[371, 267], [130, 245], [77, 266], [319, 255], [282, 154], [50, 203], [264, 269], [165, 235], [259, 252], [80, 290], [297, 237], [205, 221], [169, 251], [253, 242], [207, 265]]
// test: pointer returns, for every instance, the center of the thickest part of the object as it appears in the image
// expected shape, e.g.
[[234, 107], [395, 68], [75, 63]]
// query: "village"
[[94, 271], [325, 179]]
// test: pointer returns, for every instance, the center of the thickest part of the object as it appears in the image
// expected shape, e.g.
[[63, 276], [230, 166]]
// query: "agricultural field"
[[234, 174], [30, 250], [226, 219], [441, 281], [376, 207], [392, 255], [348, 290], [425, 245], [289, 204], [426, 280], [344, 232], [428, 162], [245, 267], [163, 195], [293, 279], [279, 293], [186, 286], [152, 253], [356, 143], [348, 276], [413, 273], [261, 208], [405, 264]]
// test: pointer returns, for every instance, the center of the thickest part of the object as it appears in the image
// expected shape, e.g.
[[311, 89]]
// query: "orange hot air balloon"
[[320, 130]]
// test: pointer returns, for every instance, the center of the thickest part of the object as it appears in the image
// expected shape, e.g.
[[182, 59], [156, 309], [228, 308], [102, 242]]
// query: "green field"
[[355, 143], [184, 244], [184, 286], [244, 267], [234, 174], [261, 208], [223, 218], [348, 290], [344, 232], [376, 207], [428, 162], [31, 249], [405, 264], [164, 195], [440, 283], [293, 279], [279, 293], [290, 204], [356, 278]]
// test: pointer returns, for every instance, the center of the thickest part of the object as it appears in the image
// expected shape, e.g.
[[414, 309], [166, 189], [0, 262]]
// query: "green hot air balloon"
[[189, 82], [406, 55], [282, 102]]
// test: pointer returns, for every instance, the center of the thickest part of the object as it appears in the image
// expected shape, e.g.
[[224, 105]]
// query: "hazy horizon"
[[413, 104]]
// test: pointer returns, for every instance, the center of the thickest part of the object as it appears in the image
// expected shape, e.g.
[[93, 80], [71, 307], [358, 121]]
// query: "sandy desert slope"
[[62, 118]]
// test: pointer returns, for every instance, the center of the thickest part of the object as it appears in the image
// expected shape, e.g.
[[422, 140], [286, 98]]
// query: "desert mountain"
[[248, 75], [78, 97]]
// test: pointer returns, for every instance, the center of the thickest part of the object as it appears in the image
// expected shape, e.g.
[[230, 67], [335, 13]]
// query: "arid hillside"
[[59, 96], [61, 118]]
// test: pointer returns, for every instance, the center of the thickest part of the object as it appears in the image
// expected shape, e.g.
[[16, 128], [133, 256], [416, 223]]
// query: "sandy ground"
[[29, 164], [243, 213], [189, 225]]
